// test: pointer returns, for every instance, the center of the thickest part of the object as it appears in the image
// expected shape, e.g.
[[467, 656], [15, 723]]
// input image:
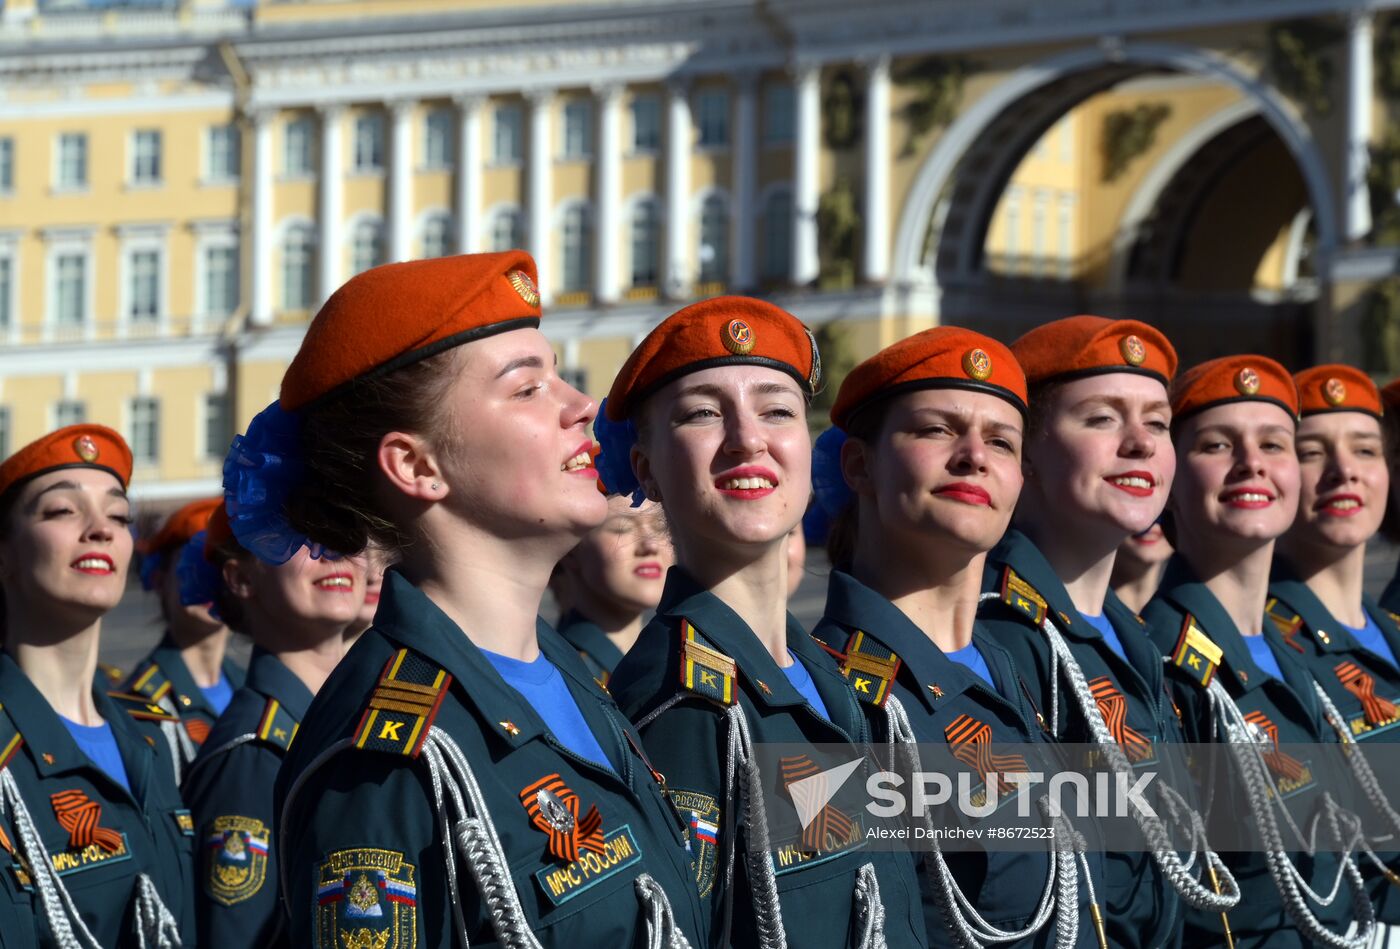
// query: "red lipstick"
[[966, 493]]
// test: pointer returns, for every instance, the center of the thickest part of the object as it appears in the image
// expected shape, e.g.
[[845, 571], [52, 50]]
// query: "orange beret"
[[1089, 345], [1233, 379], [945, 357], [181, 526], [394, 315], [1337, 388], [720, 331], [74, 446]]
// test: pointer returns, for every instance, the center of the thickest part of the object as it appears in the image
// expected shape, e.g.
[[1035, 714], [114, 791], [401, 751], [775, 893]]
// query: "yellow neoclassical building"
[[182, 182]]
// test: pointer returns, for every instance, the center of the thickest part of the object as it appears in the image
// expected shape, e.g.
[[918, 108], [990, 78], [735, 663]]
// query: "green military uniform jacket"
[[1141, 907], [946, 703], [229, 792], [599, 653], [1287, 706], [164, 678], [363, 853], [147, 830], [688, 744]]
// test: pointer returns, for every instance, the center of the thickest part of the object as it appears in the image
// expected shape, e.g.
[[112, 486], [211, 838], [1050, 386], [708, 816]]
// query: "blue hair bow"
[[151, 564], [614, 461], [200, 580], [828, 483]]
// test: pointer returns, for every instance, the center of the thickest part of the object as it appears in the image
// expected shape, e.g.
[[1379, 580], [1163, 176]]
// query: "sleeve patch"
[[366, 899], [235, 855]]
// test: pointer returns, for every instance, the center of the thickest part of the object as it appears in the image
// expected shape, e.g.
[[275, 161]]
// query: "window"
[[143, 286], [712, 117], [577, 249], [506, 135], [7, 291], [777, 237], [72, 160], [145, 430], [507, 231], [1013, 224], [145, 157], [69, 412], [777, 114], [369, 143], [714, 240], [218, 426], [646, 250], [4, 431], [366, 246], [437, 139], [70, 289], [7, 164], [646, 124], [578, 129], [296, 268], [223, 158], [437, 236], [1064, 235], [220, 280], [296, 148]]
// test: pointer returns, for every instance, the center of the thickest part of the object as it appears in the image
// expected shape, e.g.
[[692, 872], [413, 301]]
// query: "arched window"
[[296, 268], [437, 236], [714, 240], [777, 237], [367, 246], [507, 231], [577, 249], [646, 249]]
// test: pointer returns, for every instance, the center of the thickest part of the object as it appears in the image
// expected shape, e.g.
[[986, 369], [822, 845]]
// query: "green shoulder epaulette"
[[1022, 597], [277, 726], [704, 669], [1287, 622], [142, 708], [403, 705], [10, 740], [1195, 653], [871, 667], [149, 682]]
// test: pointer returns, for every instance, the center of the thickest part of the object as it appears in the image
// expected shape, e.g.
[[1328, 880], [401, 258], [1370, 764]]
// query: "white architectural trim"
[[330, 265]]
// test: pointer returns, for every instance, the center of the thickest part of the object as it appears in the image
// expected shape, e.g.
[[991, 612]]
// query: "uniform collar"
[[1328, 633], [187, 695], [588, 637], [269, 676]]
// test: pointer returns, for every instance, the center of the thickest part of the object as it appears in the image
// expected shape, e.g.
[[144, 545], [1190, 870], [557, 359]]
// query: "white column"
[[1360, 86], [877, 171], [741, 209], [261, 265], [607, 210], [401, 180], [331, 254], [540, 188], [806, 264], [679, 146], [470, 159]]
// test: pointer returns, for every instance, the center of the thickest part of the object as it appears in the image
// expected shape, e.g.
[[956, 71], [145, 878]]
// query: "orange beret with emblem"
[[1233, 379], [74, 446], [945, 357], [391, 316], [181, 526], [1337, 388], [1091, 345], [720, 331]]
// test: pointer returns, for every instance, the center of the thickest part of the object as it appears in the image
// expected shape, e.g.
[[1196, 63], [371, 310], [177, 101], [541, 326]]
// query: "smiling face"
[[728, 452], [1239, 475], [1147, 549], [624, 561], [374, 563], [1345, 480], [66, 545], [944, 467], [1102, 460], [301, 594]]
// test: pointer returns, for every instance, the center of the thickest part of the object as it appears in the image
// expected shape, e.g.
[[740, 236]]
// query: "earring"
[[436, 486]]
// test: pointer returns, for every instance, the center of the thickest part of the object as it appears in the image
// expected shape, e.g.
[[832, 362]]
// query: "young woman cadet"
[[1317, 606], [711, 408], [460, 779], [94, 841], [614, 576], [296, 614], [1236, 491], [921, 474], [188, 673], [1099, 463], [1138, 567]]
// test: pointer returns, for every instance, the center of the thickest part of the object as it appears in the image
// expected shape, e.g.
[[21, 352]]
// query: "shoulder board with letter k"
[[704, 669], [403, 705], [1285, 621], [1022, 597], [10, 740], [142, 708], [151, 683], [277, 726], [870, 666], [1195, 653]]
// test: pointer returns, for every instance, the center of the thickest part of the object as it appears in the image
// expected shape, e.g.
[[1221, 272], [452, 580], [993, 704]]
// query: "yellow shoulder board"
[[277, 726], [403, 705], [1195, 654], [141, 708], [704, 669], [870, 666], [1022, 597], [10, 741]]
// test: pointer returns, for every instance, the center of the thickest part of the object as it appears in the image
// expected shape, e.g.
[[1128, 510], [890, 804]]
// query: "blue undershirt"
[[543, 687], [1371, 638], [801, 680], [219, 694], [1263, 656], [100, 746], [971, 657], [1105, 627]]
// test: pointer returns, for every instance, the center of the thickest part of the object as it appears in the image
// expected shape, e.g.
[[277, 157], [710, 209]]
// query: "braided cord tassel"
[[740, 766], [662, 931], [155, 926], [870, 910], [173, 734], [1359, 765]]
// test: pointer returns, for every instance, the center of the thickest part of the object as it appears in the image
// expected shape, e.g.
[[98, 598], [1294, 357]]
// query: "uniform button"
[[185, 700]]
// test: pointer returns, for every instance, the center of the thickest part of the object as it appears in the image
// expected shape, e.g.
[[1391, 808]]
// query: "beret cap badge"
[[86, 448], [1334, 391], [524, 286], [1133, 350], [977, 364], [738, 337], [1247, 381]]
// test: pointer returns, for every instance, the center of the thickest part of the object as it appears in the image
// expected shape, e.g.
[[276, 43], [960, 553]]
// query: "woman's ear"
[[238, 577], [855, 465], [411, 467], [641, 468]]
